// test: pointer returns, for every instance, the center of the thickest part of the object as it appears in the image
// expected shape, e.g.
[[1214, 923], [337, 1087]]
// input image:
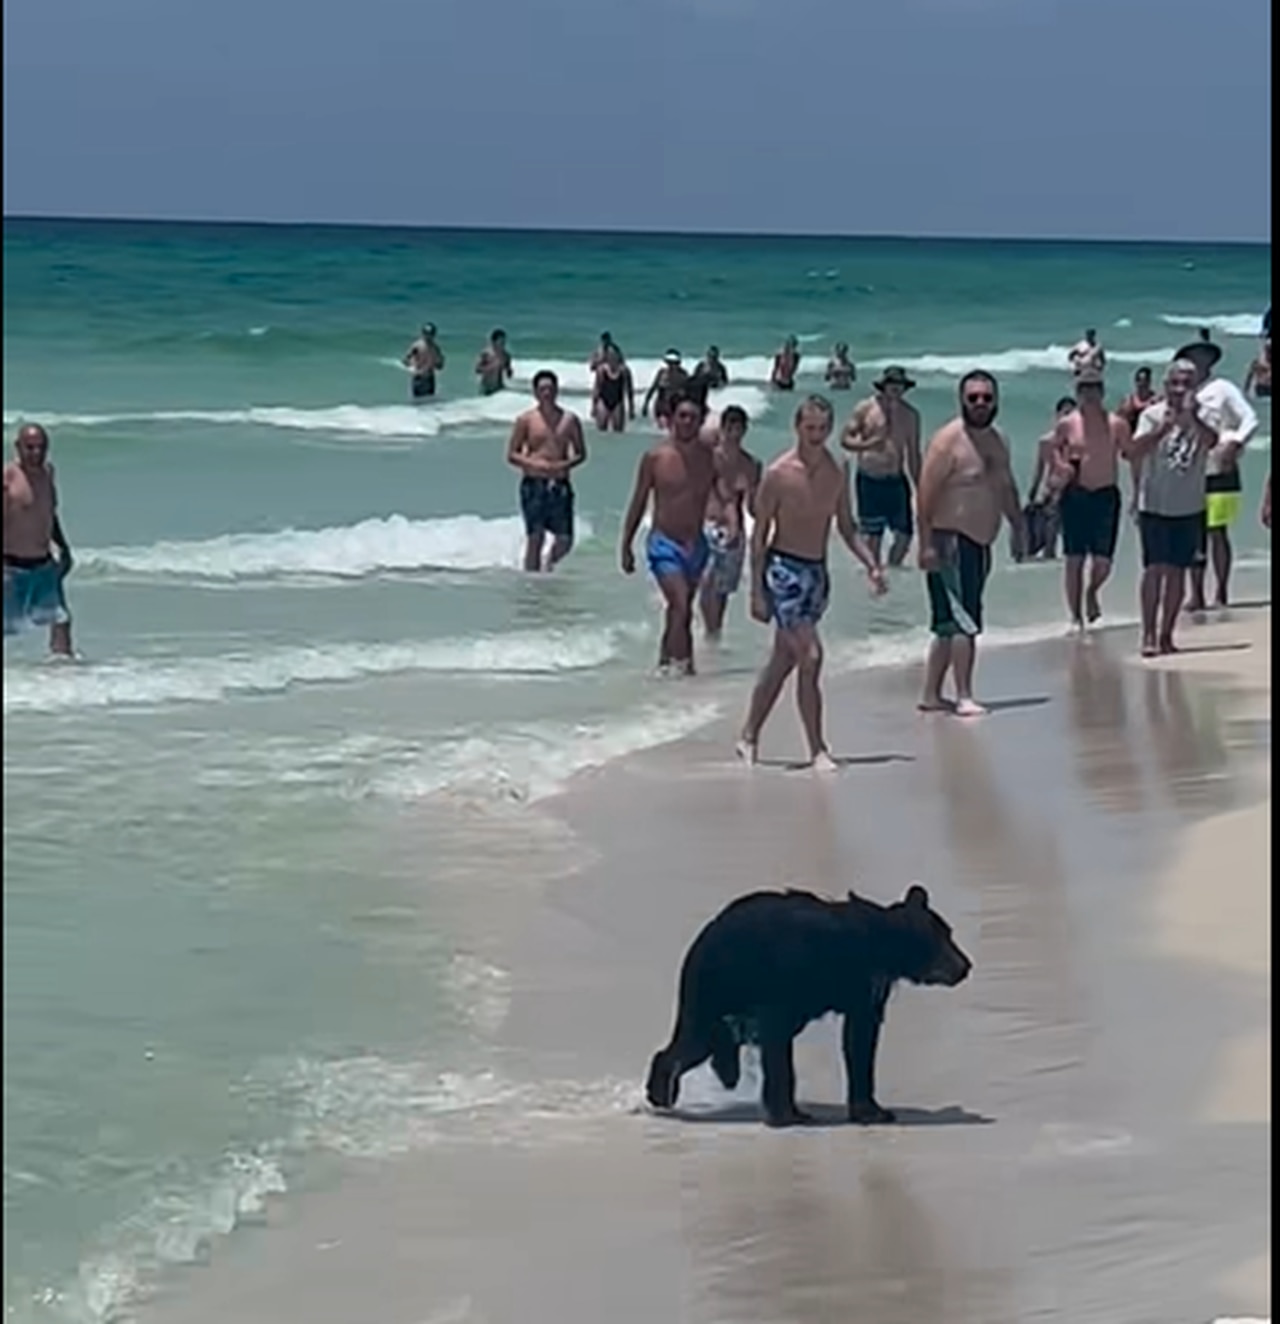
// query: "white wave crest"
[[140, 682], [1225, 324], [1008, 362], [455, 542]]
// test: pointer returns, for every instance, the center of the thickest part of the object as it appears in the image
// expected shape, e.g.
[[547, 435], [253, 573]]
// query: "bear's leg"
[[860, 1041], [725, 1055], [689, 1047], [780, 1079]]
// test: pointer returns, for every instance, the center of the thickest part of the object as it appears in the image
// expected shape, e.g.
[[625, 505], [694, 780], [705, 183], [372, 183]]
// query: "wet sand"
[[1084, 1126]]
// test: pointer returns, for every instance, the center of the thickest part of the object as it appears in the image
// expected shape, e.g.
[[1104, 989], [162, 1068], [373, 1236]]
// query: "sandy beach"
[[1084, 1126]]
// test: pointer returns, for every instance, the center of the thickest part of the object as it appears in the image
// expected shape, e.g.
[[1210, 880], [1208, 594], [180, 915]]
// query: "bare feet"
[[1167, 646], [1149, 648], [748, 751], [823, 762], [935, 705], [1092, 607], [969, 708]]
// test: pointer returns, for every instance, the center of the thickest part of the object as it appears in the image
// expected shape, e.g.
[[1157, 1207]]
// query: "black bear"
[[771, 962]]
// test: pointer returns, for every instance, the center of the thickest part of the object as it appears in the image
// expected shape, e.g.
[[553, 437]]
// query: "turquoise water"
[[303, 629]]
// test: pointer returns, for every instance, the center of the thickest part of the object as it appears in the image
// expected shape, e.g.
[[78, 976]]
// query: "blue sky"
[[1100, 118]]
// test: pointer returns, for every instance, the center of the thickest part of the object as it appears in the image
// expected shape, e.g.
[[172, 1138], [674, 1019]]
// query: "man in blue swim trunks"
[[33, 578], [678, 473], [801, 493]]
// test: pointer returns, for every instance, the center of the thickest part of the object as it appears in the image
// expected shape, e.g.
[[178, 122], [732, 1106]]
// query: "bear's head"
[[926, 951]]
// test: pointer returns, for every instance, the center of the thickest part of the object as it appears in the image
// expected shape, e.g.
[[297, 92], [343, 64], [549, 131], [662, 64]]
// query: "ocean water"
[[305, 636]]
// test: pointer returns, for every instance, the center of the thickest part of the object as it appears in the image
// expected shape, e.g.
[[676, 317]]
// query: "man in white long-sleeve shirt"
[[1225, 409]]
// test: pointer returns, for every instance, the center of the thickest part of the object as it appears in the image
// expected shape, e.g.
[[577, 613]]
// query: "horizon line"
[[594, 232]]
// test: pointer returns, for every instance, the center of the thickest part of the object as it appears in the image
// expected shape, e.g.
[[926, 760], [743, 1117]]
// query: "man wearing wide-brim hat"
[[883, 432], [1225, 409]]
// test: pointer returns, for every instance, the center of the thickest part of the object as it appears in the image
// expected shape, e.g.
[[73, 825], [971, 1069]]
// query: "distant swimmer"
[[1087, 354], [1257, 381], [601, 351], [710, 373], [966, 488], [678, 475], [1143, 396], [1089, 443], [33, 577], [841, 372], [546, 446], [802, 492], [493, 367], [670, 379], [613, 392], [733, 496], [424, 359], [884, 434], [1041, 515], [786, 364]]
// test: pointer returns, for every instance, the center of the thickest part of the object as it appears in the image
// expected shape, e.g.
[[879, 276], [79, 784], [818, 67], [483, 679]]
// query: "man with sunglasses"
[[966, 488]]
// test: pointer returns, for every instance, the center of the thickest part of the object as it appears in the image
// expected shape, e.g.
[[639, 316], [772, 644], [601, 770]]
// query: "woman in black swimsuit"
[[613, 394]]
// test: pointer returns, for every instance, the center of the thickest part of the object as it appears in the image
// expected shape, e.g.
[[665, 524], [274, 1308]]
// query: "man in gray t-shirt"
[[1172, 443]]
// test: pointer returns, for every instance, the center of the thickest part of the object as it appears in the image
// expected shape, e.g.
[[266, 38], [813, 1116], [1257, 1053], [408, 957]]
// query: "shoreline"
[[1041, 1093]]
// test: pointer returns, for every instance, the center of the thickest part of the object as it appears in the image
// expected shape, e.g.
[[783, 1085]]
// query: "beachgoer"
[[966, 487], [841, 372], [1143, 396], [424, 359], [786, 363], [1257, 380], [678, 473], [710, 374], [1174, 441], [546, 446], [1041, 515], [670, 379], [1087, 354], [493, 367], [601, 351], [733, 493], [884, 433], [1225, 409], [1089, 443], [801, 493], [613, 393], [1264, 511], [33, 577]]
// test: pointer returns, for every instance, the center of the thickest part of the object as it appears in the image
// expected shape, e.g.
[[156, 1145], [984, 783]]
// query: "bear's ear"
[[916, 896]]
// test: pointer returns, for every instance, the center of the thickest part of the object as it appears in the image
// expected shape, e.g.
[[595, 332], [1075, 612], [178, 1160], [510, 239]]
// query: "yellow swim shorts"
[[1221, 509]]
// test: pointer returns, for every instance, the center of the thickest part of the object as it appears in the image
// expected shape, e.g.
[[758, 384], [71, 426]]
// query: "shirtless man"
[[493, 367], [1087, 353], [884, 433], [734, 491], [667, 381], [801, 493], [786, 363], [678, 473], [966, 487], [841, 373], [1041, 515], [424, 359], [33, 593], [613, 392], [1089, 443], [546, 446]]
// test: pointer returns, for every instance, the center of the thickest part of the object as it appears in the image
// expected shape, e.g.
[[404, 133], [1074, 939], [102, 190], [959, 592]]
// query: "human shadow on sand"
[[1184, 650], [840, 760], [1012, 705], [824, 1116]]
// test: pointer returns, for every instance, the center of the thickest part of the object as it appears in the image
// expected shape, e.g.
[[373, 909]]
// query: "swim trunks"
[[955, 588], [1043, 521], [547, 506], [798, 589], [1222, 499], [1172, 540], [668, 558], [1090, 521], [884, 502], [724, 569], [33, 594], [423, 386]]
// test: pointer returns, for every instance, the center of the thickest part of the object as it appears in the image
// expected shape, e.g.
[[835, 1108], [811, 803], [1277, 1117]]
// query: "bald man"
[[33, 577]]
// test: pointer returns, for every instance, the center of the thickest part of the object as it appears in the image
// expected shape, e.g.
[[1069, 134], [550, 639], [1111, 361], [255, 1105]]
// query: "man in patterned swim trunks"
[[801, 493], [734, 493]]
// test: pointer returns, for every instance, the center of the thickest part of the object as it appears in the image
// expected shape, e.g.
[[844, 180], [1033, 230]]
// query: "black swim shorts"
[[547, 506], [956, 586], [1090, 521], [884, 502], [1172, 540]]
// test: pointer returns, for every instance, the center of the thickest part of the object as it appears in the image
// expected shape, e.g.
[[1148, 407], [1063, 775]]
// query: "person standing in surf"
[[801, 494], [546, 445], [786, 364], [33, 578], [966, 488], [732, 496], [677, 475], [424, 359], [1087, 355], [841, 372], [493, 367], [613, 393], [670, 379]]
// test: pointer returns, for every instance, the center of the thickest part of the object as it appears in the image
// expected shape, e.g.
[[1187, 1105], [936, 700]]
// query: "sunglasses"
[[979, 398]]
